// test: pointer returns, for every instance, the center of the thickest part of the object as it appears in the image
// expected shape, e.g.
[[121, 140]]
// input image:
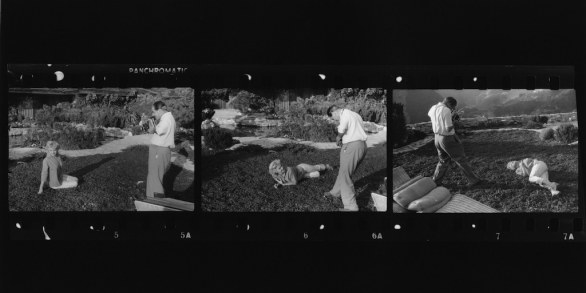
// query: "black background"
[[282, 33]]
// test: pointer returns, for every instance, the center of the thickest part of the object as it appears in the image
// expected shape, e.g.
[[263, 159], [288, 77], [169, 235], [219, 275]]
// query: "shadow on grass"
[[368, 184], [169, 182], [213, 165], [89, 168]]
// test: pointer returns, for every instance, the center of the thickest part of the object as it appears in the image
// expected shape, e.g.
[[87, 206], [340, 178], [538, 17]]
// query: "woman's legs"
[[540, 175], [312, 171], [67, 182]]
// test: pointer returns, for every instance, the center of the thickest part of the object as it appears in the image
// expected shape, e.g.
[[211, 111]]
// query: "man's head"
[[159, 108], [513, 165], [334, 112], [450, 103]]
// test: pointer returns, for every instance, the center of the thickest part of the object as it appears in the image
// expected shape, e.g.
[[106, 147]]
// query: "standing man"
[[448, 144], [352, 138], [162, 142]]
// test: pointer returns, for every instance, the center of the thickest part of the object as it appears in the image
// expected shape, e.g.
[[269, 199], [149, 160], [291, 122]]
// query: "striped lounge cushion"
[[463, 204]]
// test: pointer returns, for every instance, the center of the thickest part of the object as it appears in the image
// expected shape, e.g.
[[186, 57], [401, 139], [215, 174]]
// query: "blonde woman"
[[292, 175], [537, 172], [52, 173]]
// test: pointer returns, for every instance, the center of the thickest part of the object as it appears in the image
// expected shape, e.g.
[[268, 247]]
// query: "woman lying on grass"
[[292, 175], [537, 171], [52, 166]]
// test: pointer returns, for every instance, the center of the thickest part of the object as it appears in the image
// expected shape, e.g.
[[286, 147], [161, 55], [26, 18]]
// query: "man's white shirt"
[[165, 131], [351, 123], [441, 119]]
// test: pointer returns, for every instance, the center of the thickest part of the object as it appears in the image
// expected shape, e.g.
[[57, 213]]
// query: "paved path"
[[272, 142], [115, 146], [413, 146]]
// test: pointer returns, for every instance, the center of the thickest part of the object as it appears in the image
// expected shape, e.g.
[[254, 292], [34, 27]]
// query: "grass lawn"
[[239, 181], [488, 153], [106, 183]]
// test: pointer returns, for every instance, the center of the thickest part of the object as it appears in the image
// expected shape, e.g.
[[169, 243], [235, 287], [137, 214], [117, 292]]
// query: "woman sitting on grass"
[[52, 166], [292, 175], [537, 171]]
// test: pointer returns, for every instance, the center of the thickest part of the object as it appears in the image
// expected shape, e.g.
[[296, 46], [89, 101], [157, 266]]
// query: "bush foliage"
[[540, 119], [217, 138], [114, 110], [566, 133], [68, 137], [415, 135], [316, 130], [533, 125], [546, 134]]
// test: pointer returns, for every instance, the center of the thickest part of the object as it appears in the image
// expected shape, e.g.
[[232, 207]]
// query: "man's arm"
[[342, 128], [163, 127], [447, 117]]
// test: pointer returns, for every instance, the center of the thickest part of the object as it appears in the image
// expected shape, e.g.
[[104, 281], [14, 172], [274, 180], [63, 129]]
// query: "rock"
[[263, 122], [208, 124], [116, 132], [229, 121]]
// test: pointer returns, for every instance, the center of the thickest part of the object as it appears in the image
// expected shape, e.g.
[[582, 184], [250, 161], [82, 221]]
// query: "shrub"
[[110, 117], [45, 116], [415, 135], [540, 119], [566, 133], [70, 138], [317, 130], [244, 101], [547, 134], [217, 138], [183, 112], [533, 125], [369, 103], [398, 129]]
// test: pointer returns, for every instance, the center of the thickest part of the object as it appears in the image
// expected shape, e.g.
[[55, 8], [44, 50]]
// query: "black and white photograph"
[[294, 150], [101, 149], [485, 151]]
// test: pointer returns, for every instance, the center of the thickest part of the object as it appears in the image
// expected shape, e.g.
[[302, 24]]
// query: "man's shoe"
[[328, 194]]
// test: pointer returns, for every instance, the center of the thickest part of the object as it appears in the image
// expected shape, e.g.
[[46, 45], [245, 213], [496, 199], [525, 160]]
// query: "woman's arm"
[[44, 173]]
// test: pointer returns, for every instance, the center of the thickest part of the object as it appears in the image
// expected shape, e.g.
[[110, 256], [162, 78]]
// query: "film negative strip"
[[490, 158], [100, 152], [275, 179], [271, 166]]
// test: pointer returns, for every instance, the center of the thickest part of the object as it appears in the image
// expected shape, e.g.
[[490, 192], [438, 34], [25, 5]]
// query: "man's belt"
[[445, 134]]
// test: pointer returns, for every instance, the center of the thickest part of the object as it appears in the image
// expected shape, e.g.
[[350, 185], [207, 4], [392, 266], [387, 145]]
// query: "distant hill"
[[417, 103], [489, 103]]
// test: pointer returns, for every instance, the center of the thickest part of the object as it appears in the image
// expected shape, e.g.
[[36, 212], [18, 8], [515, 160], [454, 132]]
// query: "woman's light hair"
[[276, 170], [52, 145], [512, 165]]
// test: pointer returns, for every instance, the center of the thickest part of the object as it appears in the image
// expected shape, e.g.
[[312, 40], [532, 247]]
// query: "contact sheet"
[[219, 187]]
